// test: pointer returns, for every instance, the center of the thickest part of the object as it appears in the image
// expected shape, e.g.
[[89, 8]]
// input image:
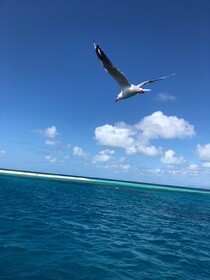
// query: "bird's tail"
[[147, 89]]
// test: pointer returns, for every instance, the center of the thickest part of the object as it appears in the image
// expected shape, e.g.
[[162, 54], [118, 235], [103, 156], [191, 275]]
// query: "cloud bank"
[[135, 139]]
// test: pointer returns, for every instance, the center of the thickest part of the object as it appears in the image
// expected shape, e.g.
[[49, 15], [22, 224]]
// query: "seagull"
[[127, 89]]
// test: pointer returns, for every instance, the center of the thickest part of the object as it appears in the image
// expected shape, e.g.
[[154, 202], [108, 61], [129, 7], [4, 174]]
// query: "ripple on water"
[[56, 230]]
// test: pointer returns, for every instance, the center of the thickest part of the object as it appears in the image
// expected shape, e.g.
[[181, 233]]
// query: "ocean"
[[100, 229]]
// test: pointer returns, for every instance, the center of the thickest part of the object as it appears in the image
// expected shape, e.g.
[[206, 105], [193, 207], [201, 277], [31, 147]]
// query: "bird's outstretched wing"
[[111, 69], [155, 80]]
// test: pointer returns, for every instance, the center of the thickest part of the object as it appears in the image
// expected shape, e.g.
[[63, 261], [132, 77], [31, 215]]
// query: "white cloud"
[[115, 136], [206, 164], [204, 152], [169, 158], [77, 151], [144, 150], [135, 139], [193, 166], [164, 97], [49, 132], [125, 167], [50, 142], [159, 125], [117, 167], [105, 159], [154, 171], [124, 136], [105, 155], [2, 152], [51, 158]]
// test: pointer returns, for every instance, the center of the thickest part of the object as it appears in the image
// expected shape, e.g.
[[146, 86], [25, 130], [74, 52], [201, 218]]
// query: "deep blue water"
[[74, 230]]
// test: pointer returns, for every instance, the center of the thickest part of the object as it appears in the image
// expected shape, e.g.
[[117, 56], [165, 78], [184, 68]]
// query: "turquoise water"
[[60, 229]]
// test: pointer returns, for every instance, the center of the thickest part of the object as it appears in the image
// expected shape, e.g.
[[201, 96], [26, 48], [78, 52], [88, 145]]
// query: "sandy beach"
[[42, 175]]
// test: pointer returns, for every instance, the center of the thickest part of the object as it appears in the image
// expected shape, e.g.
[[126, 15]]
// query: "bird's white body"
[[127, 89], [131, 91]]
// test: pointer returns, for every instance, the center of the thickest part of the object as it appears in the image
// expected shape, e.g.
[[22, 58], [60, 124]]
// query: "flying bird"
[[127, 89]]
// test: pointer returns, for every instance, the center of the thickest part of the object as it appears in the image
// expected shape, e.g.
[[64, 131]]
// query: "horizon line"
[[43, 175]]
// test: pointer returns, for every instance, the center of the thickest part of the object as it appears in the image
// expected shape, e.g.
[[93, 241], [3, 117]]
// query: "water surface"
[[103, 230]]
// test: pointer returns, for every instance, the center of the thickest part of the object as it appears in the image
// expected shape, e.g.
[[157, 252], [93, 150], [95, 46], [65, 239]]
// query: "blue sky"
[[57, 109]]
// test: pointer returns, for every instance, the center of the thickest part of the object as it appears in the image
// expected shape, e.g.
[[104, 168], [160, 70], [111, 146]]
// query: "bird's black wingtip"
[[98, 50]]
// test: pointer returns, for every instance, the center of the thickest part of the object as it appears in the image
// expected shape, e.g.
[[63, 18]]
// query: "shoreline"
[[41, 175], [70, 178]]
